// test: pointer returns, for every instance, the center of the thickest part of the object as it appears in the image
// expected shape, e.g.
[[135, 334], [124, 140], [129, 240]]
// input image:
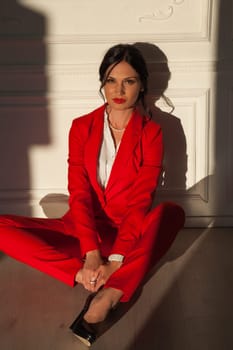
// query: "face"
[[122, 86]]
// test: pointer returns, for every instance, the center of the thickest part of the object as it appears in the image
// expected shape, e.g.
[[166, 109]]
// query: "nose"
[[120, 88]]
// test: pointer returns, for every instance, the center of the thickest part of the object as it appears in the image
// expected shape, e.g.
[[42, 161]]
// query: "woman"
[[110, 237]]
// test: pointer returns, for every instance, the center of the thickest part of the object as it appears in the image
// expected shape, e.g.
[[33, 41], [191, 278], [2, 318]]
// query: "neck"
[[119, 119]]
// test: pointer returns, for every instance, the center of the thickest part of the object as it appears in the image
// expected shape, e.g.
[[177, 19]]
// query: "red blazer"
[[129, 193]]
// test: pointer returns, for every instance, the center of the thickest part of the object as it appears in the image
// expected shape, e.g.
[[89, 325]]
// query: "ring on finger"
[[92, 282]]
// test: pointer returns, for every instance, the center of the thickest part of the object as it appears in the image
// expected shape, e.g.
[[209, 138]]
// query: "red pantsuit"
[[42, 244], [116, 219]]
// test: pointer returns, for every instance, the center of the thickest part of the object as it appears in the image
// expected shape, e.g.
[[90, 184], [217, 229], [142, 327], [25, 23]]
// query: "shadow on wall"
[[173, 184], [175, 158], [24, 120]]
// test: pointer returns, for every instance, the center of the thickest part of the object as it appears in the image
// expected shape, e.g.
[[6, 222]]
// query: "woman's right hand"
[[88, 275]]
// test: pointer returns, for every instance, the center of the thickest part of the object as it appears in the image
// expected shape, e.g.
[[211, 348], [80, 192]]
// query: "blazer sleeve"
[[142, 191], [80, 199]]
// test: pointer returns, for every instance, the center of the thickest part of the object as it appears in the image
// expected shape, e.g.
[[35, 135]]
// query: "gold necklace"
[[111, 126], [115, 129]]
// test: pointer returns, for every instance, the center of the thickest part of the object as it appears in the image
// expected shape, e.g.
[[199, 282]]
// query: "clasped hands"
[[95, 272]]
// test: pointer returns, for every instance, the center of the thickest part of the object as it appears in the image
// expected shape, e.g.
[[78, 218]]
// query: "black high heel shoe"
[[83, 330], [86, 332]]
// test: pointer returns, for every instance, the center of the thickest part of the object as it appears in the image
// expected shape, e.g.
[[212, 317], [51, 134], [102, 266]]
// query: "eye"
[[110, 80], [130, 81]]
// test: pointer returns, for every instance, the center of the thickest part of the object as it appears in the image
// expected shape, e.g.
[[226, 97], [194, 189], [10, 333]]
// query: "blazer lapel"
[[93, 145], [129, 140]]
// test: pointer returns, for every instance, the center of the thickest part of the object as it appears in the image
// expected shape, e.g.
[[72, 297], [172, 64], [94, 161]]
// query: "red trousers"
[[43, 244]]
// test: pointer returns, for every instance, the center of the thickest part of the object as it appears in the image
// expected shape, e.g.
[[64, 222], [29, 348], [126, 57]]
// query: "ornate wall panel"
[[192, 108], [160, 20]]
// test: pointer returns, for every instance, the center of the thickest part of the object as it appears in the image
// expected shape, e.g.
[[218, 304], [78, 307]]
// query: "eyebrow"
[[130, 77]]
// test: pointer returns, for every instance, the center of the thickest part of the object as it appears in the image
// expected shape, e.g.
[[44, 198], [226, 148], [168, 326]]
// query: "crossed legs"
[[42, 244]]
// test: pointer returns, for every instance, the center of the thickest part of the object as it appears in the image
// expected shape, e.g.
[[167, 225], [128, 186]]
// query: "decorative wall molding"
[[186, 97], [42, 203], [31, 194], [111, 39], [209, 221], [161, 14], [197, 102], [150, 33], [69, 99], [92, 68], [144, 30], [57, 198], [75, 30], [33, 92]]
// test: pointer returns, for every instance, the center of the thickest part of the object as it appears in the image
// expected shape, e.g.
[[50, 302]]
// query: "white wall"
[[50, 53]]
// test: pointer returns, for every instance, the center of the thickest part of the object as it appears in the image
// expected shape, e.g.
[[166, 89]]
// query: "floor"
[[186, 303]]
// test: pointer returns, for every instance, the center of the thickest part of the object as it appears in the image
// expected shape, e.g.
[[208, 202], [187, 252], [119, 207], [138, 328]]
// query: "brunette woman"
[[111, 236]]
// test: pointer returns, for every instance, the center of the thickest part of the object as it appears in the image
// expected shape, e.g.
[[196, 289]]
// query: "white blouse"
[[107, 155]]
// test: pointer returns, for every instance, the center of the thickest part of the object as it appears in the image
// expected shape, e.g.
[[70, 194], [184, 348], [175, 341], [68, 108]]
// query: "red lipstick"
[[119, 100]]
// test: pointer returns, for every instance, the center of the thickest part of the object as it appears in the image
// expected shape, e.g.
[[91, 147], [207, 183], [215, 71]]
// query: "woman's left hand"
[[105, 271]]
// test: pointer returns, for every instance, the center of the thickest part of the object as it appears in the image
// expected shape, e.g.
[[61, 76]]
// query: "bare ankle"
[[115, 295], [103, 302]]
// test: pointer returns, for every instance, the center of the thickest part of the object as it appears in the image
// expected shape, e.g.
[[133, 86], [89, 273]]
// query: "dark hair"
[[131, 55]]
